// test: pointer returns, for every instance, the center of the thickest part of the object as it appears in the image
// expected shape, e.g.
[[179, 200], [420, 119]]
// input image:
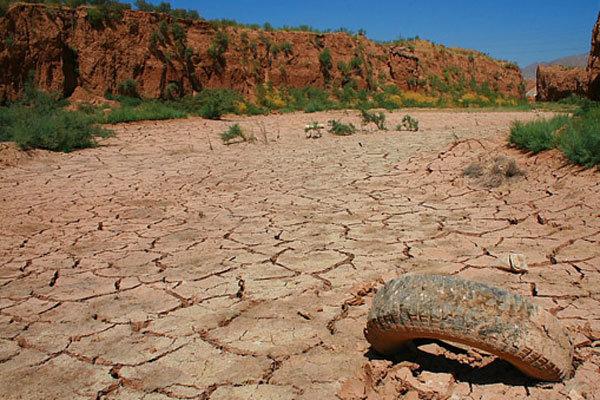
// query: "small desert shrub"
[[537, 136], [95, 17], [326, 64], [104, 11], [213, 103], [493, 172], [376, 118], [163, 30], [313, 130], [340, 128], [287, 48], [474, 170], [128, 88], [236, 132], [217, 50], [178, 32], [145, 110], [408, 124], [171, 91]]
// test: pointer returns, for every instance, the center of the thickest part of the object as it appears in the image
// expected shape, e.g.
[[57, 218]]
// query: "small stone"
[[515, 263], [518, 263]]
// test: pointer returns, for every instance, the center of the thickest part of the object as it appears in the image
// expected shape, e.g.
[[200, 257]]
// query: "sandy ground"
[[153, 267]]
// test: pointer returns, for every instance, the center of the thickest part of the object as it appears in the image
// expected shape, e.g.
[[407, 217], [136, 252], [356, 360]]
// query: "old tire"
[[491, 319]]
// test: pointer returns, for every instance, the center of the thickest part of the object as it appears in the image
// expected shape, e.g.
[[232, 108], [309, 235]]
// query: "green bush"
[[537, 136], [408, 124], [309, 99], [8, 116], [376, 118], [178, 32], [165, 8], [340, 128], [212, 103], [128, 88], [171, 91], [59, 131], [217, 49], [38, 121], [95, 17], [4, 4], [581, 140], [146, 110], [326, 64], [234, 132]]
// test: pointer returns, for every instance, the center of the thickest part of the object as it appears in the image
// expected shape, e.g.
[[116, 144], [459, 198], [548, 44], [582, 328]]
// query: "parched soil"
[[156, 267]]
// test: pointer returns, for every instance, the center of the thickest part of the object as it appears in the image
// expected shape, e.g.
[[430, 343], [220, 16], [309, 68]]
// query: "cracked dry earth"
[[153, 267]]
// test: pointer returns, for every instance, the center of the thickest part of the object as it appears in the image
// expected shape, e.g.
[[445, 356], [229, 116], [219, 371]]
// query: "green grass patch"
[[148, 110], [581, 140], [537, 136], [578, 137]]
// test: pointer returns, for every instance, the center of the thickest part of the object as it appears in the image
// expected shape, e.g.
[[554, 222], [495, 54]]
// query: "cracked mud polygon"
[[153, 267]]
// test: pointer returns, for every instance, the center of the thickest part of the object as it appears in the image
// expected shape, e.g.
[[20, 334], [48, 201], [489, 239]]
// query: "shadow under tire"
[[481, 316]]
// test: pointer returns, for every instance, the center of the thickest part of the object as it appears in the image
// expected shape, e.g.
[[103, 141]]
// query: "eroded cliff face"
[[66, 52], [594, 63], [557, 82]]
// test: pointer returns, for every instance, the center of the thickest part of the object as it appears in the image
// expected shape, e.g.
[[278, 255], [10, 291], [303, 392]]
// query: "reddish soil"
[[556, 82], [594, 63], [66, 52], [154, 267]]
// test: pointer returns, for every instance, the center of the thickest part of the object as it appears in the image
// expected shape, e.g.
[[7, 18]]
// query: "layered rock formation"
[[594, 63], [557, 82], [67, 52]]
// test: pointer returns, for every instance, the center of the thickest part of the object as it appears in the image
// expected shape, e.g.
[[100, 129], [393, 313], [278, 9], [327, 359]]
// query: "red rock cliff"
[[594, 63], [67, 52], [557, 82]]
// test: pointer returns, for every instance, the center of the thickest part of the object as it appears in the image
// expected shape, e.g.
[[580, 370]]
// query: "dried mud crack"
[[154, 267]]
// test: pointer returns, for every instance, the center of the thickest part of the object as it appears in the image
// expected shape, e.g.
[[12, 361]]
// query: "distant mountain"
[[579, 60]]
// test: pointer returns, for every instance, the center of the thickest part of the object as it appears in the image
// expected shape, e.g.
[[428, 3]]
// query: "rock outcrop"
[[594, 64], [67, 52], [557, 82]]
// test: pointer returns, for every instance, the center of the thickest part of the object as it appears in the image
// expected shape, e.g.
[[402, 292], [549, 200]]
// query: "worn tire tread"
[[449, 308]]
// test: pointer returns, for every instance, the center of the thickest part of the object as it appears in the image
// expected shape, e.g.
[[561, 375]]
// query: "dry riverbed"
[[166, 265]]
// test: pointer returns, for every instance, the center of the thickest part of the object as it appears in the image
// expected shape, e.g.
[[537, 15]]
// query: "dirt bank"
[[67, 52]]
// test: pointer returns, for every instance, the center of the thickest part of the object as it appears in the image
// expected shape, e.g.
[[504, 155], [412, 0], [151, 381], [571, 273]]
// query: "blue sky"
[[518, 30]]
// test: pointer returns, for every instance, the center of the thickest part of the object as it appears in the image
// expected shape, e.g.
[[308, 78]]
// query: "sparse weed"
[[376, 118], [313, 130], [340, 128], [408, 124], [236, 132]]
